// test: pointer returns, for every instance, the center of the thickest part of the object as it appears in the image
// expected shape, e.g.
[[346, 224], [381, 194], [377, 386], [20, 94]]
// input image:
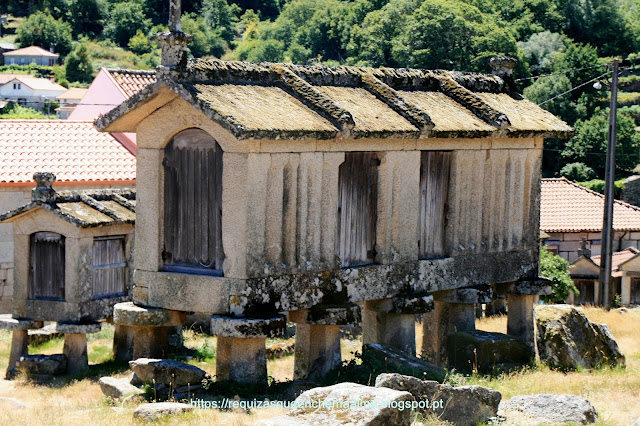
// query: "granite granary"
[[333, 195]]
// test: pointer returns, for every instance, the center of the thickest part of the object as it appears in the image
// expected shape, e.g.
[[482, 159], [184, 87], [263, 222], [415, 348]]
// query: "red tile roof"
[[617, 259], [31, 51], [566, 206], [132, 81], [73, 150]]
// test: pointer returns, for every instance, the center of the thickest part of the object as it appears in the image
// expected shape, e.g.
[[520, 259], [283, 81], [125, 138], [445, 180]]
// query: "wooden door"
[[109, 266], [47, 263], [434, 188], [635, 291], [357, 208], [193, 203], [587, 292]]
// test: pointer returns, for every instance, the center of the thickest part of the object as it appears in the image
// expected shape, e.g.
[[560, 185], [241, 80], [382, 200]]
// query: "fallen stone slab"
[[485, 351], [118, 388], [348, 403], [42, 365], [165, 371], [462, 405], [568, 340], [399, 360], [546, 408], [156, 410]]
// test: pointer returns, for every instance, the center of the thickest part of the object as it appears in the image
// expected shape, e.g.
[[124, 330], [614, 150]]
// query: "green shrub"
[[577, 172], [556, 269]]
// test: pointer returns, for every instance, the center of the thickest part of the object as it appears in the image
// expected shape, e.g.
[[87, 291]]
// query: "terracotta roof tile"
[[74, 150], [566, 206], [31, 51], [132, 81]]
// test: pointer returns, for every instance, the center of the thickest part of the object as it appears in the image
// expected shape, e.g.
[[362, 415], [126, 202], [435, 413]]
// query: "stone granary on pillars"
[[72, 252], [332, 194]]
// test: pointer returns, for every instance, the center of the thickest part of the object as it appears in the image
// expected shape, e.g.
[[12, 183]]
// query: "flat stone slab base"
[[41, 366], [7, 322], [154, 411], [165, 371], [226, 326], [138, 316], [81, 328], [117, 388]]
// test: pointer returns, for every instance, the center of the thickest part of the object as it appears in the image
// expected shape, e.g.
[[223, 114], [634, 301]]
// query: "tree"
[[139, 43], [86, 16], [589, 144], [125, 19], [78, 65], [542, 49], [577, 172], [42, 29], [545, 88], [205, 40], [221, 18], [556, 269]]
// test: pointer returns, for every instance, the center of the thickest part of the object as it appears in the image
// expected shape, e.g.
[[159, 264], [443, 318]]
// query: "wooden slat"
[[193, 201], [357, 208], [109, 266], [635, 291], [47, 263], [434, 185]]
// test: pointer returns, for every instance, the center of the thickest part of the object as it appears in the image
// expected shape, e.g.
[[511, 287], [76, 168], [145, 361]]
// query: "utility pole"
[[609, 177]]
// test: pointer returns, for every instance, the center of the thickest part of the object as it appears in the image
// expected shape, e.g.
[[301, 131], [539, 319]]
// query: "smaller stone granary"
[[72, 254]]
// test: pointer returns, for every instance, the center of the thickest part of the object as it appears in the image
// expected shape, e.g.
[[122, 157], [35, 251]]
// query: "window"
[[635, 291], [552, 248], [357, 208], [17, 86], [46, 264], [51, 62], [434, 188], [109, 266], [193, 204], [587, 292]]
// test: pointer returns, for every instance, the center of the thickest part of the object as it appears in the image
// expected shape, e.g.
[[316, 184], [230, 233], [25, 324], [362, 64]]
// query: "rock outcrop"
[[546, 408], [568, 340], [486, 352], [165, 371]]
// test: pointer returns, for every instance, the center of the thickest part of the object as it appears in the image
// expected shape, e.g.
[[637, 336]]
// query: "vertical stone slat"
[[434, 186]]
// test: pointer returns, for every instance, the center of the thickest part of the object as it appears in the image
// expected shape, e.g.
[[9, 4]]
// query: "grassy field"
[[614, 392]]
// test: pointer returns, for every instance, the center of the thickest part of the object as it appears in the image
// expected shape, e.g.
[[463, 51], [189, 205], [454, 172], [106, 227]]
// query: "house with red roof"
[[570, 213], [79, 156], [30, 55], [30, 91]]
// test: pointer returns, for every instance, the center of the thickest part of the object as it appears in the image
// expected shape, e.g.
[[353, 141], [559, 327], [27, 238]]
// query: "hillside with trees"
[[560, 46]]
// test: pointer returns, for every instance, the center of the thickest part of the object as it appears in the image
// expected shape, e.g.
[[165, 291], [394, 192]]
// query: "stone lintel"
[[226, 326], [327, 315], [138, 316], [9, 323], [483, 294], [78, 328], [534, 287]]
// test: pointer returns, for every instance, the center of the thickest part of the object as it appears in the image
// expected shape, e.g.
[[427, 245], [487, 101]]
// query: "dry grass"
[[614, 392]]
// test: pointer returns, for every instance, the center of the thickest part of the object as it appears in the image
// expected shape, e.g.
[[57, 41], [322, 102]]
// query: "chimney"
[[503, 66], [52, 78], [43, 192], [174, 42]]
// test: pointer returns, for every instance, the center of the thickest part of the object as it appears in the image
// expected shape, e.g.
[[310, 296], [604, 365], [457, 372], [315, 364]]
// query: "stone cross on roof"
[[584, 251], [174, 42]]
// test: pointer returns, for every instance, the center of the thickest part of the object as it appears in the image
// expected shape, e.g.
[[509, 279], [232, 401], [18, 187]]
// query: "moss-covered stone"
[[485, 352]]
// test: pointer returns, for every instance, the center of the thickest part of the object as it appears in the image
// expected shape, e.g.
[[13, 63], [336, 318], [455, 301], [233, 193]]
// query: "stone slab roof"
[[74, 150], [285, 101], [86, 208], [566, 206]]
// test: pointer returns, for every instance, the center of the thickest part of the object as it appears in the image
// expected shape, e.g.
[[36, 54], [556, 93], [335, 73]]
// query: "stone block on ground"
[[462, 405], [347, 403], [568, 340], [546, 408], [486, 352], [117, 388], [42, 365], [42, 335], [399, 360], [165, 371], [156, 410]]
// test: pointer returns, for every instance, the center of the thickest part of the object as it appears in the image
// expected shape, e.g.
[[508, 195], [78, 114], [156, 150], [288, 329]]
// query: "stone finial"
[[584, 251], [503, 66], [44, 192], [174, 42]]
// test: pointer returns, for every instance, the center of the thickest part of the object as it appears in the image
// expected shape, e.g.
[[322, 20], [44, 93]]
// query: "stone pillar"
[[496, 307], [454, 311], [520, 318], [123, 342], [392, 322], [19, 339], [317, 349], [75, 344], [150, 328], [241, 355], [625, 290]]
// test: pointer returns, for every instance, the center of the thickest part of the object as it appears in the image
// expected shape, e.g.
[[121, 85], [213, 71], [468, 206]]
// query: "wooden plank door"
[[109, 266], [357, 208], [434, 188], [193, 203], [46, 262]]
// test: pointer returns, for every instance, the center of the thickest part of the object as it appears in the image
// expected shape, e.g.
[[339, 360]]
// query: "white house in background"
[[4, 48], [31, 55], [68, 101], [30, 91]]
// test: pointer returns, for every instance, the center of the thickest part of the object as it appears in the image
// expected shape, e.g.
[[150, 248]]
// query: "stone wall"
[[567, 244]]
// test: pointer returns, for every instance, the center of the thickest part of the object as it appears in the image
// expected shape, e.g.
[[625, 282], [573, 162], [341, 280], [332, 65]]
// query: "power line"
[[574, 88], [562, 72]]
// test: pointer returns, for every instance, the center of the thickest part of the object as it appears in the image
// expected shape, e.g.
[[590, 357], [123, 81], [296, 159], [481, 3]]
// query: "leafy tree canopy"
[[42, 29], [556, 269]]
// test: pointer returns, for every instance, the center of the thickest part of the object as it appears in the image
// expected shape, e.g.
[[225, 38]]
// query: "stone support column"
[[241, 356], [453, 311], [625, 290], [75, 344], [392, 321], [150, 328], [123, 342], [317, 349], [19, 339]]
